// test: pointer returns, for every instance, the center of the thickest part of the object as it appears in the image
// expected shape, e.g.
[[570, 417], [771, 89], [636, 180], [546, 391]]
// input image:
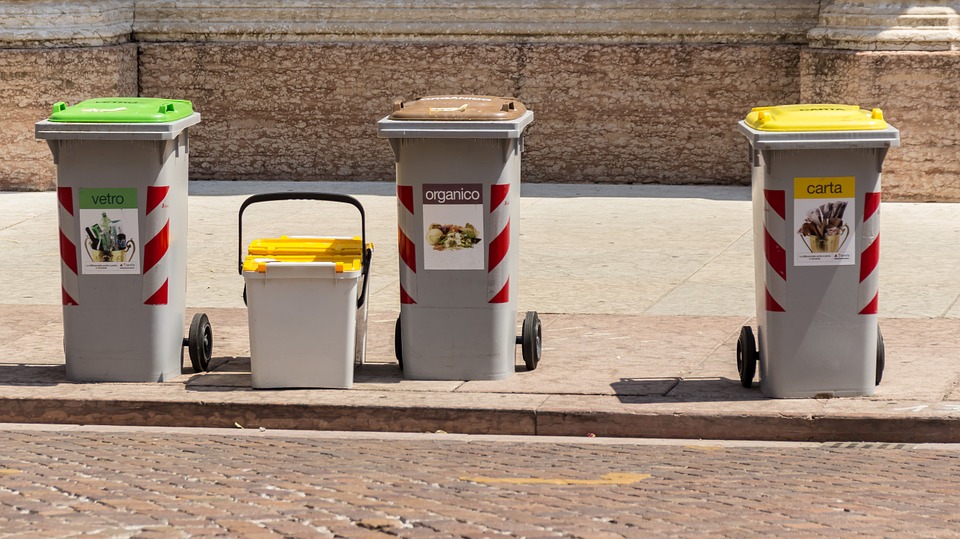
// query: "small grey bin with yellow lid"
[[122, 171], [306, 303], [458, 194], [816, 211]]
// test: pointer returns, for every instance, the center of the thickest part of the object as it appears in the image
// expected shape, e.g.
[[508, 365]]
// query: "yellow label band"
[[831, 187]]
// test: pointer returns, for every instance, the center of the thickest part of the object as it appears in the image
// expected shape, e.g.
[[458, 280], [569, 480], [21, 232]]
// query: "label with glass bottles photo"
[[109, 231]]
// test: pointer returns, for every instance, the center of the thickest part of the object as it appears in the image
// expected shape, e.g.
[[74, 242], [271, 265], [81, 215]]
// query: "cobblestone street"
[[117, 482]]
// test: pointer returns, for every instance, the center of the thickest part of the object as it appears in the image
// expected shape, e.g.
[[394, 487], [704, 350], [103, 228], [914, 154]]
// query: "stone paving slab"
[[609, 375]]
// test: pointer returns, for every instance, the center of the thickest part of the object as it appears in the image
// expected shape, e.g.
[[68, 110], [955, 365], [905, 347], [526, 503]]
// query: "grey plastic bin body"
[[458, 312], [816, 309], [123, 321]]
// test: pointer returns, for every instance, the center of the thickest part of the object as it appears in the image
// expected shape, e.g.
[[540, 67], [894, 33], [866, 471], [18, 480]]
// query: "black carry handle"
[[306, 195]]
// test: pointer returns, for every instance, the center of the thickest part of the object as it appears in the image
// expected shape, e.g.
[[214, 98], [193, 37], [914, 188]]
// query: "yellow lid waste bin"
[[816, 235]]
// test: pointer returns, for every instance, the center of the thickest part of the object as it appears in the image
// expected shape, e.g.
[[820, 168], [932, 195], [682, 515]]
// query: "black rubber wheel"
[[200, 342], [397, 348], [881, 362], [531, 340], [747, 356]]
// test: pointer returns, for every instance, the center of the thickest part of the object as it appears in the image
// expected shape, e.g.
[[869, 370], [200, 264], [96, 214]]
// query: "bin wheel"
[[881, 362], [398, 350], [531, 344], [746, 356], [200, 342]]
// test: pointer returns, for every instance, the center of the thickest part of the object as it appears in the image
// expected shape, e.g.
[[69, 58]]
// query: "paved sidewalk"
[[642, 291]]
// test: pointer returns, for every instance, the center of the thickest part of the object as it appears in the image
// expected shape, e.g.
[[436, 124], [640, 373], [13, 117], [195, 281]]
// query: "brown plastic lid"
[[458, 107]]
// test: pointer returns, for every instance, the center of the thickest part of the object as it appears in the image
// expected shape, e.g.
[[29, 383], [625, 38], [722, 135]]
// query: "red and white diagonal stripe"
[[69, 280], [156, 273], [774, 238], [498, 267], [408, 249], [869, 289]]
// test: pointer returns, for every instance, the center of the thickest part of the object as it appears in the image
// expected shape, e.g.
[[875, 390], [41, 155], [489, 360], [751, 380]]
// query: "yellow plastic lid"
[[346, 253], [815, 118]]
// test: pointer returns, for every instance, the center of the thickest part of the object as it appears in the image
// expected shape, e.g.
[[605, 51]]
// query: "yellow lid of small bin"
[[346, 253], [815, 117]]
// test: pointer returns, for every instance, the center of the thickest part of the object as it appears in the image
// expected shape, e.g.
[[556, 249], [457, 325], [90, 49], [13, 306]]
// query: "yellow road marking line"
[[606, 479]]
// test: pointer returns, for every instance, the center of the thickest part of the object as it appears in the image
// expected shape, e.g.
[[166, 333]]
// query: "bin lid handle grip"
[[309, 195]]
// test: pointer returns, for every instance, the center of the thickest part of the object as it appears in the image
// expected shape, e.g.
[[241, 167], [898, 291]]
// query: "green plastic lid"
[[815, 117], [122, 110]]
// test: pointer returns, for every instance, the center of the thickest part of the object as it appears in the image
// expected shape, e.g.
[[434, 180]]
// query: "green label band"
[[94, 199]]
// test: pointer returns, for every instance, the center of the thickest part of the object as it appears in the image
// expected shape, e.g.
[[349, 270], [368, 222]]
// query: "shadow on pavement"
[[631, 390], [33, 375]]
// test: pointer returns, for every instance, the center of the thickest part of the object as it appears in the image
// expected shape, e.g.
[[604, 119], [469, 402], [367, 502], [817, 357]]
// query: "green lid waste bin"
[[122, 199], [816, 234]]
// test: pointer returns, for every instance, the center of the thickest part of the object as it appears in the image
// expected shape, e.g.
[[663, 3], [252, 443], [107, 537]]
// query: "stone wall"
[[917, 91], [623, 91], [647, 113], [605, 113], [905, 58], [31, 81], [308, 111]]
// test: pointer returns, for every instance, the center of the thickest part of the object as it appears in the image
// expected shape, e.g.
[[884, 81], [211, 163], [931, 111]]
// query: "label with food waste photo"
[[453, 227], [109, 231], [825, 216]]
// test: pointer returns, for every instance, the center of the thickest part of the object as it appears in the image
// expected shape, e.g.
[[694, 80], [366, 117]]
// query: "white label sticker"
[[824, 214], [109, 225], [453, 227]]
